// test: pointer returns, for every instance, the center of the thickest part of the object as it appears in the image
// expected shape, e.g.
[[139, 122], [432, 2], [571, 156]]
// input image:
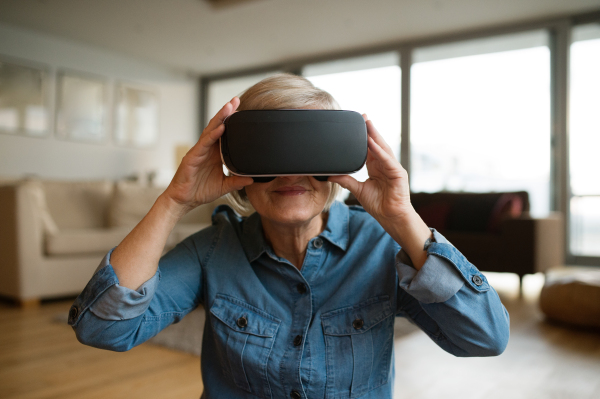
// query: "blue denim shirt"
[[325, 331]]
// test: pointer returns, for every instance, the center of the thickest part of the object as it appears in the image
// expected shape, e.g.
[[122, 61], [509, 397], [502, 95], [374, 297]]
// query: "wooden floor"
[[40, 358], [542, 360]]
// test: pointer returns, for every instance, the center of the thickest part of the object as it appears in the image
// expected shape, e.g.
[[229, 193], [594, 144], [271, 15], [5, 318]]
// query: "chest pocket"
[[359, 342], [244, 337]]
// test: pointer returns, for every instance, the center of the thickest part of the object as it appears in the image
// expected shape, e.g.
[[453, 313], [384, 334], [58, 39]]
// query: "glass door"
[[584, 141], [480, 117], [368, 85]]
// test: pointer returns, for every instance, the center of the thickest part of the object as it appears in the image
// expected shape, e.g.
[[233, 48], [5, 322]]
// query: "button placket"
[[313, 260], [301, 315]]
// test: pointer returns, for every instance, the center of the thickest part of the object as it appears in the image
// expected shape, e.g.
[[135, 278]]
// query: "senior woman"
[[301, 295]]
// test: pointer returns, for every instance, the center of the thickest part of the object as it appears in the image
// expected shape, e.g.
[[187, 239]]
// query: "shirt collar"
[[336, 231], [253, 239]]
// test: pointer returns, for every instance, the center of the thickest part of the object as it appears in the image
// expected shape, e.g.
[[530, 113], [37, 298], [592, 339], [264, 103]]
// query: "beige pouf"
[[572, 296]]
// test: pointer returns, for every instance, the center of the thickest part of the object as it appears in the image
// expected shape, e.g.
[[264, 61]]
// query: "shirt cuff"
[[122, 303], [437, 281]]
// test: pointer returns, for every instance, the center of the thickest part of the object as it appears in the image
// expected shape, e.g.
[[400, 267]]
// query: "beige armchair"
[[53, 234]]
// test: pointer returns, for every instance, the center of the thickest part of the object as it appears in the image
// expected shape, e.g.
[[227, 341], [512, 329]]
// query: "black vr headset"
[[271, 143]]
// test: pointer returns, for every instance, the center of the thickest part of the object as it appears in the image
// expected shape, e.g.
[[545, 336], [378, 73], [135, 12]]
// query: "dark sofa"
[[494, 230]]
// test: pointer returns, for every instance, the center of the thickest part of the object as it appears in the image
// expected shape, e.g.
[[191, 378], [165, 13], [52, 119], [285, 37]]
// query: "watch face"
[[294, 142]]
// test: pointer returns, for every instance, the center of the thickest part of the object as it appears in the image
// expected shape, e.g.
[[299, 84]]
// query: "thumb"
[[349, 183], [231, 183]]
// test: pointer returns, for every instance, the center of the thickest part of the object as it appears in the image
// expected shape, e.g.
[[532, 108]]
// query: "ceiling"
[[197, 36]]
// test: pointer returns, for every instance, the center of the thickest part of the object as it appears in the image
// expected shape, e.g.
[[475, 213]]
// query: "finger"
[[377, 151], [235, 101], [372, 131], [365, 117], [206, 141], [349, 183], [228, 109], [389, 161], [210, 137], [231, 183]]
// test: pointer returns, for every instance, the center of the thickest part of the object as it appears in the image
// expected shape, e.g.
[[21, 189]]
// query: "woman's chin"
[[293, 209], [292, 202]]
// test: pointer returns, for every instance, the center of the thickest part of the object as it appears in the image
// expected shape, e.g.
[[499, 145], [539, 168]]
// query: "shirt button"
[[295, 395], [477, 280], [357, 324], [301, 288], [318, 243], [73, 312], [242, 322], [298, 340]]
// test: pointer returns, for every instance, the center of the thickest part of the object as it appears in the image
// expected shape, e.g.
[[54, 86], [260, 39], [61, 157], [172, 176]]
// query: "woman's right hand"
[[200, 178]]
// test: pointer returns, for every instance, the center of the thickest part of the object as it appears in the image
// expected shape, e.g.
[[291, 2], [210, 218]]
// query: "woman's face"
[[289, 199]]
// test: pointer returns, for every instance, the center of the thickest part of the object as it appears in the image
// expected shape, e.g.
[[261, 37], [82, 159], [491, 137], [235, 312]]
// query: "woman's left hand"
[[386, 196]]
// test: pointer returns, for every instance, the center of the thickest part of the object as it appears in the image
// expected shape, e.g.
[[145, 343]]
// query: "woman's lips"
[[290, 190]]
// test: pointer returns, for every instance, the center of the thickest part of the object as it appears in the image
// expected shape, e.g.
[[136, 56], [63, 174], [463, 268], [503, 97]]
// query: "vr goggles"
[[271, 143]]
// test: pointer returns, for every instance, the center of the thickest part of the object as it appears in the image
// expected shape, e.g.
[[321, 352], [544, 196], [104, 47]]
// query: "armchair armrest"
[[8, 241], [533, 245], [22, 226]]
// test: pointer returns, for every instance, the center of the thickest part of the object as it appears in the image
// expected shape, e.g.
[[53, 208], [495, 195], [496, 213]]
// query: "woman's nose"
[[292, 178]]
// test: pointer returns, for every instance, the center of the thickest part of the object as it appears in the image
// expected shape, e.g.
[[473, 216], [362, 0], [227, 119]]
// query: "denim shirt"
[[273, 331]]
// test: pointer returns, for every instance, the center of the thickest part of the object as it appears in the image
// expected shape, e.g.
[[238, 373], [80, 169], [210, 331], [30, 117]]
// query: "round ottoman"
[[572, 296]]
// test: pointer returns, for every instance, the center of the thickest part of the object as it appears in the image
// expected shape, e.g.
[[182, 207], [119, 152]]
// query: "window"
[[480, 114], [480, 117], [368, 85], [584, 136]]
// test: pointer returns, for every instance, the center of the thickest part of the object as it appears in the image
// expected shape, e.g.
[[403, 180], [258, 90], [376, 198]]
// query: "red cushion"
[[508, 206]]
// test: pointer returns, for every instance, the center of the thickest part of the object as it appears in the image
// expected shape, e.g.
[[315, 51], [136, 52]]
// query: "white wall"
[[51, 157]]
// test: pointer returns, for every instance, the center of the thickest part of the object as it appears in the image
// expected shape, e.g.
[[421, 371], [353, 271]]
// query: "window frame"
[[559, 30]]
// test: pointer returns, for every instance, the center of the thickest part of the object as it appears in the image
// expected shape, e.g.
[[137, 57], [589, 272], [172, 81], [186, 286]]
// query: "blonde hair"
[[282, 91]]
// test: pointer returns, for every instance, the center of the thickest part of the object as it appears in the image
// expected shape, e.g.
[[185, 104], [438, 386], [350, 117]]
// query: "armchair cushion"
[[75, 205], [84, 241], [130, 203]]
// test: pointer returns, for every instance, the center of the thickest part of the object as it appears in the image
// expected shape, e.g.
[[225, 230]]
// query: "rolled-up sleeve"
[[108, 316], [452, 301], [437, 281], [108, 300], [122, 303]]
